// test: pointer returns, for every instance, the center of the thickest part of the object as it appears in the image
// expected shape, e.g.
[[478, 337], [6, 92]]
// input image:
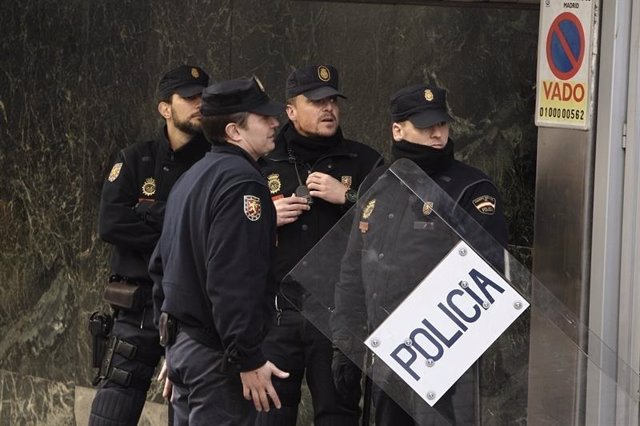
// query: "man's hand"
[[327, 187], [257, 386], [289, 208], [168, 386]]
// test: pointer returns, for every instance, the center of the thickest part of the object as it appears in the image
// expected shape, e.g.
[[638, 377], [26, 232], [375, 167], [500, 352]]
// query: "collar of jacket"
[[232, 149], [280, 153], [194, 148]]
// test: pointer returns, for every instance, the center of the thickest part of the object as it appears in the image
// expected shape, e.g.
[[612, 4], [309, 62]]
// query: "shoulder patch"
[[485, 204], [252, 207], [115, 172]]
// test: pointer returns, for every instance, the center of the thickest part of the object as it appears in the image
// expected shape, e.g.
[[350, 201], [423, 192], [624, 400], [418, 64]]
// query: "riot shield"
[[415, 293]]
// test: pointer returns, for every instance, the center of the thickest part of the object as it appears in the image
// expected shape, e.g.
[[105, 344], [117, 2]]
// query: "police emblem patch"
[[274, 183], [346, 181], [115, 172], [149, 187], [485, 204], [195, 73], [428, 95], [427, 208], [366, 213], [323, 73], [252, 207]]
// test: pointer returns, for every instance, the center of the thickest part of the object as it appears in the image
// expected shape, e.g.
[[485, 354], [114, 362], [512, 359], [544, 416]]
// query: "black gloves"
[[346, 377]]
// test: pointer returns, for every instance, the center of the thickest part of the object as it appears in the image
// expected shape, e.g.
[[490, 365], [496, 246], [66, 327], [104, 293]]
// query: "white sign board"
[[446, 323], [564, 64]]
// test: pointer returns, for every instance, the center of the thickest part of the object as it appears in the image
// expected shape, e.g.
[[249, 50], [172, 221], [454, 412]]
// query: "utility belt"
[[126, 293], [283, 302], [291, 295], [169, 327], [296, 298]]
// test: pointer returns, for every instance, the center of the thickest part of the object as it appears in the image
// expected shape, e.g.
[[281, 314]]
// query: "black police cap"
[[239, 95], [185, 80], [421, 104], [314, 81]]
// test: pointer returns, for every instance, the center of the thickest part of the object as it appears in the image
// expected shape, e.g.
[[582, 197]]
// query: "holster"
[[100, 325], [121, 293], [168, 328]]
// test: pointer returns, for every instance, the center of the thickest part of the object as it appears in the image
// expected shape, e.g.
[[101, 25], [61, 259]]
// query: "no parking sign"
[[563, 95]]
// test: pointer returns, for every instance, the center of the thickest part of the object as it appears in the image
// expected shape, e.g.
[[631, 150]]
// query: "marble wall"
[[77, 82]]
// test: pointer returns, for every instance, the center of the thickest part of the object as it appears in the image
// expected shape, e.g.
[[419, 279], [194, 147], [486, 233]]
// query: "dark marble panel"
[[27, 400], [78, 81]]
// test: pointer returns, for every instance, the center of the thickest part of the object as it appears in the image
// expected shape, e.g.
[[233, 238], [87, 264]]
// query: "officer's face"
[[258, 135], [185, 113], [435, 136], [319, 118]]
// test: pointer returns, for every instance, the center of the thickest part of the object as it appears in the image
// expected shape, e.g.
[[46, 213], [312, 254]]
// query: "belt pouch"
[[123, 294]]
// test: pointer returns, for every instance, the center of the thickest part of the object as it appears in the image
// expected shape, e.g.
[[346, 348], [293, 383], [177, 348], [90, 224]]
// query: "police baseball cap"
[[421, 104], [239, 95], [314, 81], [185, 80]]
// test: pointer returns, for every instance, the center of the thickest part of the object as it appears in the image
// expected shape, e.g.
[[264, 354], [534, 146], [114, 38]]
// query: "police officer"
[[313, 176], [211, 267], [396, 240], [131, 214]]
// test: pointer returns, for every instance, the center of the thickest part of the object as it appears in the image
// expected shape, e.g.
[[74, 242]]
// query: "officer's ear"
[[291, 109], [164, 108], [232, 132], [397, 131]]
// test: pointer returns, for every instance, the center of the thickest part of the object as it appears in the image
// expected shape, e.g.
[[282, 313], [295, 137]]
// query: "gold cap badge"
[[259, 83], [274, 183], [115, 172], [149, 187], [323, 73], [195, 73], [427, 208], [428, 95]]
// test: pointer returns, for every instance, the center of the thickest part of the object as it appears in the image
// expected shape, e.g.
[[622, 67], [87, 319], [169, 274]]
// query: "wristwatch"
[[351, 196]]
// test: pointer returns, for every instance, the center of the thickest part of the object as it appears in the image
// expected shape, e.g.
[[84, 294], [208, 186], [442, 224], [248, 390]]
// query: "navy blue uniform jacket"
[[134, 197], [211, 267], [349, 162], [395, 242]]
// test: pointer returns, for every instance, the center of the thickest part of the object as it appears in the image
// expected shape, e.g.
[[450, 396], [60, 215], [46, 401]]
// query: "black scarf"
[[431, 160], [307, 149]]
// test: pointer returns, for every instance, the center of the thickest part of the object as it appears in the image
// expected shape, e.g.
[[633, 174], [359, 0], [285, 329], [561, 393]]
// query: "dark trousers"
[[202, 393], [116, 404], [296, 346]]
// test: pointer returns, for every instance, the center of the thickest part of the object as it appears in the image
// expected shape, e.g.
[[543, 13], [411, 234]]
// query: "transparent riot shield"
[[415, 293]]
